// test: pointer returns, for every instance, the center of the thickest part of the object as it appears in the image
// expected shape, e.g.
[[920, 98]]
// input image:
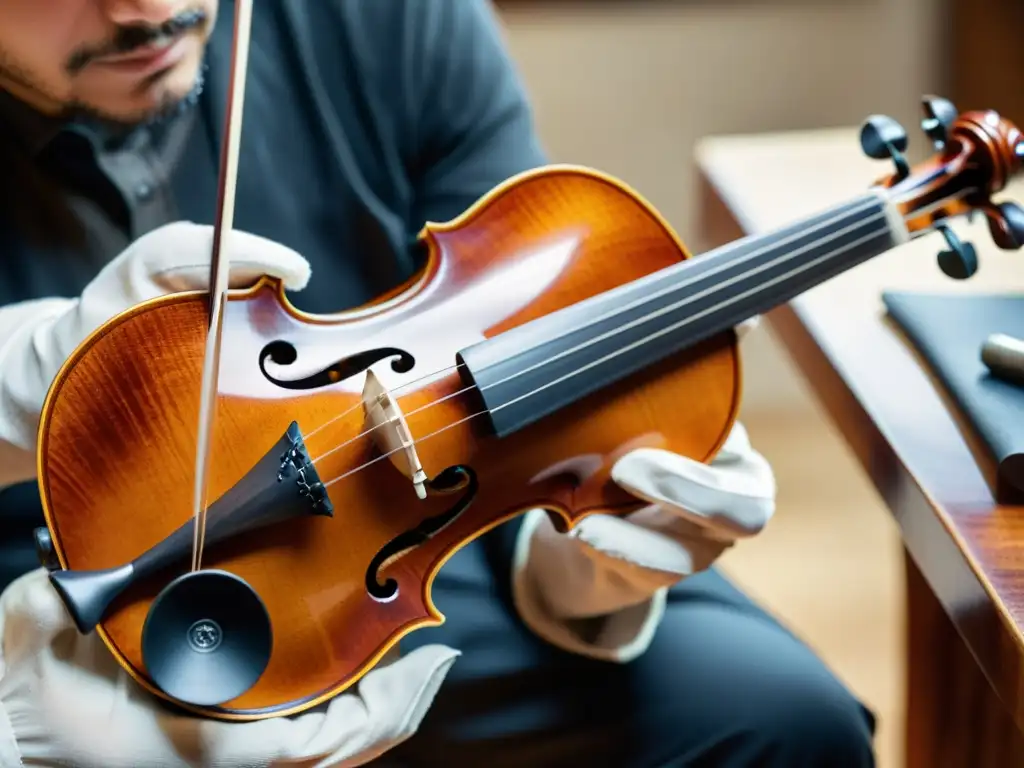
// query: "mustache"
[[129, 38]]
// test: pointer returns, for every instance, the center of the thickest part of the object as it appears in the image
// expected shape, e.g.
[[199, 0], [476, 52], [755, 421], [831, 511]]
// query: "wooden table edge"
[[978, 613]]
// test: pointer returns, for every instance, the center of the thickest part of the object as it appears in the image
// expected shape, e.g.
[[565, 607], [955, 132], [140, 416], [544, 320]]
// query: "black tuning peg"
[[939, 115], [961, 260], [882, 137], [1012, 215]]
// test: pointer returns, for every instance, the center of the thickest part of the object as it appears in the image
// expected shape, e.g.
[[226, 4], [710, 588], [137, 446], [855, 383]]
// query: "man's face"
[[122, 60]]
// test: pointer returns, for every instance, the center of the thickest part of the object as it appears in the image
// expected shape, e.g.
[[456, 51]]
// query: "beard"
[[126, 40], [168, 107]]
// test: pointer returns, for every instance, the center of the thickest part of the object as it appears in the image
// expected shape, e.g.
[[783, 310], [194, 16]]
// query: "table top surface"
[[765, 181]]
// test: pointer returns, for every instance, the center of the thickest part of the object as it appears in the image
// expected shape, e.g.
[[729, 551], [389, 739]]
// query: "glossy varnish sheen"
[[118, 437]]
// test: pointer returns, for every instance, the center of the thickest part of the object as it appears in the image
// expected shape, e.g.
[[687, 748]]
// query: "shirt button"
[[143, 192]]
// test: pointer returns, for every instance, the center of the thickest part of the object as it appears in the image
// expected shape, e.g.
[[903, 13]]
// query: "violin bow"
[[219, 269]]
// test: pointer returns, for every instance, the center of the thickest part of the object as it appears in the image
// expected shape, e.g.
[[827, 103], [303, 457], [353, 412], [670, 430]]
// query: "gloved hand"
[[65, 701], [36, 337], [63, 698], [600, 589]]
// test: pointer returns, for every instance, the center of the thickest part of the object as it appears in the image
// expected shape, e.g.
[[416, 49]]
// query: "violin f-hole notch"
[[283, 353], [283, 485], [459, 479]]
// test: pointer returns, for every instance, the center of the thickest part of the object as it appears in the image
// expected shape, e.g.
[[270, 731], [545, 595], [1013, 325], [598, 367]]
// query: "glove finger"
[[736, 446], [613, 542], [747, 326], [387, 708], [702, 548], [729, 499], [177, 258], [31, 616]]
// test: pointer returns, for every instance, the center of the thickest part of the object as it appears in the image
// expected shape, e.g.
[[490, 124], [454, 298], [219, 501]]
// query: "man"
[[363, 119]]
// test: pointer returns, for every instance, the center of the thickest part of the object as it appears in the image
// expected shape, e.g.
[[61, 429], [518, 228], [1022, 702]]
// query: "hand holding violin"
[[65, 701], [58, 688], [36, 337], [63, 698], [618, 569]]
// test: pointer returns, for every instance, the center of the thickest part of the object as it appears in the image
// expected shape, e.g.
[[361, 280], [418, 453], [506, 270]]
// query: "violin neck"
[[535, 369]]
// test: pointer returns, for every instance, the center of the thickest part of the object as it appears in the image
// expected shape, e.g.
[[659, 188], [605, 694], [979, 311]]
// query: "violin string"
[[636, 302], [605, 358], [406, 385], [707, 273], [690, 298], [425, 406], [786, 257], [617, 310]]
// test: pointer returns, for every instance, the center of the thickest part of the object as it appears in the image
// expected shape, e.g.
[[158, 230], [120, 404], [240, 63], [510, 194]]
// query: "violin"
[[555, 325]]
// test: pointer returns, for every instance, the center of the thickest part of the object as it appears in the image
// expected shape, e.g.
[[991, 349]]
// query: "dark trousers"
[[723, 684]]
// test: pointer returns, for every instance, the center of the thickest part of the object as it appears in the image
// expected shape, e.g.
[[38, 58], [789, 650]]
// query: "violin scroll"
[[976, 155]]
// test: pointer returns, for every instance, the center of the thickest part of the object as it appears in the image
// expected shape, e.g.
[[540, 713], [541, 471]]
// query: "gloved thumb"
[[177, 257], [730, 499]]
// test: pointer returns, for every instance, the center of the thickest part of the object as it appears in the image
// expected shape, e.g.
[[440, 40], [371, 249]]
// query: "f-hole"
[[284, 353], [452, 480]]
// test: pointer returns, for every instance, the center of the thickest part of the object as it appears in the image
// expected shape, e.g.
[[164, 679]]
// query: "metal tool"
[[1003, 355]]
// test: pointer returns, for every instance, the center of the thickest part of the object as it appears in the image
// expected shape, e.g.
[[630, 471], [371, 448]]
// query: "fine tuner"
[[882, 137], [556, 325]]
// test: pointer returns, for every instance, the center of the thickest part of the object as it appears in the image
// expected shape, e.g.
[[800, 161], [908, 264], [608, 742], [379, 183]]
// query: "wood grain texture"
[[968, 550], [985, 59], [953, 718], [117, 455]]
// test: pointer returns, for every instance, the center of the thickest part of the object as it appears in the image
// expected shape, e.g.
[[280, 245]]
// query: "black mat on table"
[[948, 332]]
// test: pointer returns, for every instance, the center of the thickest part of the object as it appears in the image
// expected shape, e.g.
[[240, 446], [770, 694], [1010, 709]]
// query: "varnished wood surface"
[[953, 718], [118, 454], [982, 54], [969, 550]]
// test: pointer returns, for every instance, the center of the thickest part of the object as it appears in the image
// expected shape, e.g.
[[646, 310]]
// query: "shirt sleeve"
[[473, 125]]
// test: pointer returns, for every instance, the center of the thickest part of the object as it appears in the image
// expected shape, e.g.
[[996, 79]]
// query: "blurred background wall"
[[631, 87]]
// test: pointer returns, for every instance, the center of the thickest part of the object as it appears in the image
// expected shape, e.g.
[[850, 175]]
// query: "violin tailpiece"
[[282, 485]]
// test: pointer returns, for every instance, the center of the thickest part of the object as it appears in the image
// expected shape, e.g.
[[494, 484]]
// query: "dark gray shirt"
[[362, 121]]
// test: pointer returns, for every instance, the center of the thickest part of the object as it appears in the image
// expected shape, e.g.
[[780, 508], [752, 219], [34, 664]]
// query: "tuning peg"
[[1007, 225], [939, 117], [961, 260], [882, 137]]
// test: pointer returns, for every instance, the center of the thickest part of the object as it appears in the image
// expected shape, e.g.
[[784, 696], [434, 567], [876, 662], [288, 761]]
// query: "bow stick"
[[219, 269]]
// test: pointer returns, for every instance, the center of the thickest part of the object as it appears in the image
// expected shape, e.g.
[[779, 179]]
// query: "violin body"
[[118, 434]]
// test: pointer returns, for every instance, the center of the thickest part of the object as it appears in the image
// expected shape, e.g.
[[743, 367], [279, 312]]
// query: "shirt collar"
[[33, 129]]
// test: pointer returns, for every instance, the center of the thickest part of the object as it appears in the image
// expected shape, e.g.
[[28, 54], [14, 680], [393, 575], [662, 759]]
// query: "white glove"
[[65, 701], [600, 590], [36, 337], [63, 698]]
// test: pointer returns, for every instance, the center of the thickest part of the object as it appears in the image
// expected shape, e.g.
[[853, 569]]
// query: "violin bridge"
[[386, 426]]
